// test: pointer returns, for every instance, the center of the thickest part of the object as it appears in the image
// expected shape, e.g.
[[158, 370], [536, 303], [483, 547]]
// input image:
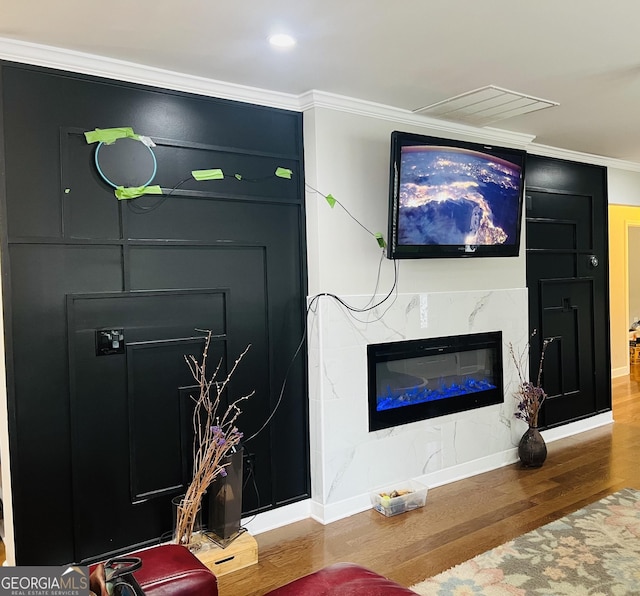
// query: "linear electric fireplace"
[[424, 378]]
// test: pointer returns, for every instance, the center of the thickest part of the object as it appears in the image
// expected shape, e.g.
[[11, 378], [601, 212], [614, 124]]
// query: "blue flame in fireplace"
[[395, 398]]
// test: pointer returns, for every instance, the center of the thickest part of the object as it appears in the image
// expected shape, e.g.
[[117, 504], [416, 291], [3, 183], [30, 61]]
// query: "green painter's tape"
[[207, 174], [109, 135], [380, 239], [131, 192], [332, 202], [283, 173]]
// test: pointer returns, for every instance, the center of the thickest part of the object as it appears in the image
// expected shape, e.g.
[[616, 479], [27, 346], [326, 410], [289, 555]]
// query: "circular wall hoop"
[[113, 184]]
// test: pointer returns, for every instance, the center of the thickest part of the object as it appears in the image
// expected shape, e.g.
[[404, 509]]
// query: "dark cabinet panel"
[[193, 132], [223, 254], [567, 277], [40, 436], [141, 399], [88, 206]]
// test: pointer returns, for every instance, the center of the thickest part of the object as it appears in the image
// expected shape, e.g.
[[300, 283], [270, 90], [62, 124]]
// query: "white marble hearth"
[[348, 461]]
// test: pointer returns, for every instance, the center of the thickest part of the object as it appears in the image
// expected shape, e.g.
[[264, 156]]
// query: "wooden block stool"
[[240, 553]]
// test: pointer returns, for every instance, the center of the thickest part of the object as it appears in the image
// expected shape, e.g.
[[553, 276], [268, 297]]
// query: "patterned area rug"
[[592, 552]]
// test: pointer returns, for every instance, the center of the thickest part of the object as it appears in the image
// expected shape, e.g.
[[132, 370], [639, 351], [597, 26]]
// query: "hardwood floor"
[[462, 519]]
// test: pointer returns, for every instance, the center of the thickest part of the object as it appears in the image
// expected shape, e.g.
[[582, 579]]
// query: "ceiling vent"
[[484, 106]]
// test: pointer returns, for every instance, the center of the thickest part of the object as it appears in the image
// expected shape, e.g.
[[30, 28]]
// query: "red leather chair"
[[172, 570], [342, 579]]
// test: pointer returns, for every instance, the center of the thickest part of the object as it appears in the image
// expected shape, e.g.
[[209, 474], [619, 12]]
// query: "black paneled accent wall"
[[568, 281], [101, 443]]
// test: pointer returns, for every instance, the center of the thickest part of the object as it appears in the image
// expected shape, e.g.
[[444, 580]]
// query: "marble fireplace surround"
[[348, 461]]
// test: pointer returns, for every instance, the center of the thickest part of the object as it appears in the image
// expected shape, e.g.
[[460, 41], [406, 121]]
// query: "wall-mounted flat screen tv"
[[453, 198]]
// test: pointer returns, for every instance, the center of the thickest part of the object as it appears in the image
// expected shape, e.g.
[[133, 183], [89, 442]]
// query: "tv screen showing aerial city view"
[[457, 196]]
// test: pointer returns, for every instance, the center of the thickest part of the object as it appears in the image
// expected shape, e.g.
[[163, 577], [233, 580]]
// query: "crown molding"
[[110, 68], [598, 160], [90, 64], [322, 99]]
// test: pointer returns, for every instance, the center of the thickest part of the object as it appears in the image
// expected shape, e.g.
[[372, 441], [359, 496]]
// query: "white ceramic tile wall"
[[347, 460]]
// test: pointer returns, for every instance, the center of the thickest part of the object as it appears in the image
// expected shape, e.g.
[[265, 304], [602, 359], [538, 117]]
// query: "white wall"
[[347, 155], [623, 186], [348, 461], [5, 459]]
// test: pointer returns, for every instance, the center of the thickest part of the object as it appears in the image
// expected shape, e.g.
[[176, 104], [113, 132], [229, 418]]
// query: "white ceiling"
[[584, 54]]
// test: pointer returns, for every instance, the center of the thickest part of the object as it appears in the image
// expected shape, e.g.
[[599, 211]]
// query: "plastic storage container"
[[383, 502]]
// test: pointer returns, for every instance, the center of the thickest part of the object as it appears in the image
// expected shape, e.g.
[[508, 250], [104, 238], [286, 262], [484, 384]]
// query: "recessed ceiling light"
[[282, 40]]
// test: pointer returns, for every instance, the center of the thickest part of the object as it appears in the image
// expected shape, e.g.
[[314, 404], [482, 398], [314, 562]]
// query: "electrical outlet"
[[110, 341], [248, 464]]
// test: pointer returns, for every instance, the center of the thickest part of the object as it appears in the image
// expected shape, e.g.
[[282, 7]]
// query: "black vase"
[[225, 502], [532, 449]]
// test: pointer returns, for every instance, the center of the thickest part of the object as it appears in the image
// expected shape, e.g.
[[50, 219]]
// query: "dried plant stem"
[[215, 437], [530, 396]]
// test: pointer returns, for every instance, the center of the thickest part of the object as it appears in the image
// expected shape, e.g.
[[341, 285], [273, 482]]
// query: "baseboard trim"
[[622, 371], [580, 426], [276, 518], [326, 514]]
